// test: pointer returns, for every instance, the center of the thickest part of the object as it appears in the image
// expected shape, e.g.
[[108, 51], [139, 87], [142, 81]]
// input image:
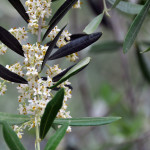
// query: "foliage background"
[[112, 85]]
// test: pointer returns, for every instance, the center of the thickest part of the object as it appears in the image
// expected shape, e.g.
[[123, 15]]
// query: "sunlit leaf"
[[13, 119], [11, 138], [74, 70], [61, 12], [11, 76], [20, 9], [93, 25], [10, 41], [56, 138], [76, 45], [88, 121], [50, 113], [127, 7], [135, 27]]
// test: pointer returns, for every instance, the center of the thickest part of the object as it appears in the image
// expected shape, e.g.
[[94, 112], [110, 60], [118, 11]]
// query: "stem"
[[37, 142], [37, 135], [39, 30], [105, 8]]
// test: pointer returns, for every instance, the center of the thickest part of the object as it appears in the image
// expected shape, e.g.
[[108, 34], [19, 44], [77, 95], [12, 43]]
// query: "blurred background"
[[114, 84]]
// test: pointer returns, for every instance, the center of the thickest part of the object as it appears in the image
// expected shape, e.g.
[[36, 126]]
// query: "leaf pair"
[[71, 71], [11, 76]]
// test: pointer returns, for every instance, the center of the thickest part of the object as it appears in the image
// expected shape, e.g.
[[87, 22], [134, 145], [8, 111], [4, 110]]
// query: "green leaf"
[[93, 25], [107, 46], [13, 119], [142, 64], [127, 7], [50, 113], [11, 138], [116, 3], [147, 50], [135, 27], [56, 138], [74, 70], [88, 121]]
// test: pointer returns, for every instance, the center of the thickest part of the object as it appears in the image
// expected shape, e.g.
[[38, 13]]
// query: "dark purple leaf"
[[50, 48], [59, 15], [20, 9], [10, 41], [11, 76], [76, 45]]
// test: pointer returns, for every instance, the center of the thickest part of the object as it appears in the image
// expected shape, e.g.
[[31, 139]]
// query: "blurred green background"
[[112, 85]]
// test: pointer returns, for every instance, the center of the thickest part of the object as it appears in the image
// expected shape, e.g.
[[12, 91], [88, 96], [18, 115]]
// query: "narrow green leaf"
[[147, 50], [142, 64], [56, 138], [11, 138], [13, 119], [116, 3], [88, 121], [127, 7], [50, 113], [93, 25], [135, 27], [74, 70], [106, 47]]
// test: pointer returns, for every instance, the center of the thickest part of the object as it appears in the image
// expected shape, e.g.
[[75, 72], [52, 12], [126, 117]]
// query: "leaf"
[[10, 41], [127, 7], [87, 121], [60, 75], [50, 113], [93, 25], [135, 27], [74, 70], [50, 48], [20, 9], [76, 36], [107, 46], [143, 65], [13, 119], [56, 138], [11, 76], [59, 15], [116, 3], [147, 50], [76, 45], [11, 138]]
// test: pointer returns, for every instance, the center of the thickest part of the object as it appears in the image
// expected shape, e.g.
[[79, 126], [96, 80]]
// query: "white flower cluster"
[[3, 88], [19, 33], [62, 41], [3, 49], [17, 68], [37, 9], [35, 95]]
